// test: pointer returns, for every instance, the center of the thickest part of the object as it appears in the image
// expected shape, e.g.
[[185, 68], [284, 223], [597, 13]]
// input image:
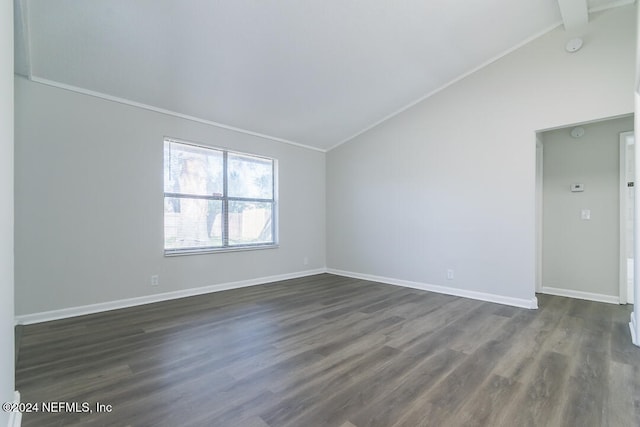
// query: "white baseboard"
[[632, 327], [15, 418], [580, 295], [27, 319], [500, 299]]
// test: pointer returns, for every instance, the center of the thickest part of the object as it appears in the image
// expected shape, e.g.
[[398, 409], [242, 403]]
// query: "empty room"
[[312, 213]]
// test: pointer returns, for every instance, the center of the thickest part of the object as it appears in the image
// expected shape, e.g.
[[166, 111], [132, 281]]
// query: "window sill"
[[180, 252]]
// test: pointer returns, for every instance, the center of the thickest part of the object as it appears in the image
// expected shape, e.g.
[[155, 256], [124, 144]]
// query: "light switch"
[[577, 188], [585, 214]]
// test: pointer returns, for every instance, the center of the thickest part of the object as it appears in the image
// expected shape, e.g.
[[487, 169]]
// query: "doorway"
[[583, 243]]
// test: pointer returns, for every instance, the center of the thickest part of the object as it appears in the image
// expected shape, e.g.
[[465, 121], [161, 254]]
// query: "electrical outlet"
[[305, 260], [155, 280], [449, 274]]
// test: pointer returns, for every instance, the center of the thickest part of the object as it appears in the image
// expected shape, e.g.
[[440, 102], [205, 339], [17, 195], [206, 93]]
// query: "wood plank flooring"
[[333, 351]]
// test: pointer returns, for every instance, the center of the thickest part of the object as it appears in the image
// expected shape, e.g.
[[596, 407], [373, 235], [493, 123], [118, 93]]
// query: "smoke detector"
[[574, 45], [577, 132]]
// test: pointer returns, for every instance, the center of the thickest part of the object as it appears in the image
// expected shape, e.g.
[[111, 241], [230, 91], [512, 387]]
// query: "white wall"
[[6, 212], [450, 183], [89, 203], [581, 255]]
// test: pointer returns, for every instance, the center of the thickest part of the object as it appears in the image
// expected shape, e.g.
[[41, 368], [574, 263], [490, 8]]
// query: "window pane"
[[192, 223], [250, 223], [192, 170], [250, 177]]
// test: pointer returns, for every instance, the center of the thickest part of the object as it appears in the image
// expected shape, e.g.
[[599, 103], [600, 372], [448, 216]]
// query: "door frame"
[[624, 206], [539, 212]]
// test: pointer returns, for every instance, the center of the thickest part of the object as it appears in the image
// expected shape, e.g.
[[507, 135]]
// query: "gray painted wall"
[[6, 212], [450, 183], [89, 203], [582, 255]]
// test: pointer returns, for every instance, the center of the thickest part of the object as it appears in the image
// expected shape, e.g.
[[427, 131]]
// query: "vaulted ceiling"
[[311, 72]]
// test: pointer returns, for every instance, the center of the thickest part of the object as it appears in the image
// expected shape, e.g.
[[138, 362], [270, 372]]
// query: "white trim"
[[482, 296], [570, 293], [632, 327], [15, 418], [587, 122], [622, 268], [455, 80], [27, 319], [635, 320], [185, 252], [539, 191], [611, 5], [622, 203], [622, 213], [167, 112]]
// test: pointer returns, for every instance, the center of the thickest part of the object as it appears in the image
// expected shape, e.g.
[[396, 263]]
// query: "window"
[[216, 199]]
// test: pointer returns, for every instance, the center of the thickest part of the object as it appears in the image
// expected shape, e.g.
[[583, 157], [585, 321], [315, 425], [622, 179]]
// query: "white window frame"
[[225, 198]]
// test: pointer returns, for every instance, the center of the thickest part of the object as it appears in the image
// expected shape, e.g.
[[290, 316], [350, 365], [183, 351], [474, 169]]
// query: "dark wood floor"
[[328, 350]]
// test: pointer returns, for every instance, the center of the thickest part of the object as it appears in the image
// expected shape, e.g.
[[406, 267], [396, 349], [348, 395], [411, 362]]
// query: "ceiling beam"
[[21, 43], [575, 13]]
